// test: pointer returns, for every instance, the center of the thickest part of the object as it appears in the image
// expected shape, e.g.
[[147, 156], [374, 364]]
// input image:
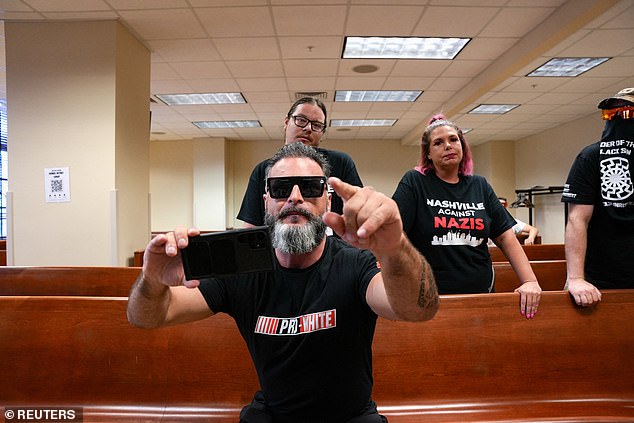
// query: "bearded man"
[[322, 371]]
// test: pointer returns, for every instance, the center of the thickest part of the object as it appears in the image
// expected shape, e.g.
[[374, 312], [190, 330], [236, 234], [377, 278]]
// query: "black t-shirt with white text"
[[450, 225], [309, 333], [601, 176]]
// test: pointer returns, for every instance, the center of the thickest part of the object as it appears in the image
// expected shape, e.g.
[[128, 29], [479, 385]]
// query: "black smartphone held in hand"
[[228, 253]]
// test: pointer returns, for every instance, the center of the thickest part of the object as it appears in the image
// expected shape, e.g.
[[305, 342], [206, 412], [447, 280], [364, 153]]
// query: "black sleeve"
[[582, 184], [252, 208], [404, 197]]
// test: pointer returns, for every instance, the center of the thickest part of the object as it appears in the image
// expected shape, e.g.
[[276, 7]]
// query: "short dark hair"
[[298, 149], [309, 100]]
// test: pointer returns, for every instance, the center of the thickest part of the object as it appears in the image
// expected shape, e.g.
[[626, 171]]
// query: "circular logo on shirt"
[[616, 180]]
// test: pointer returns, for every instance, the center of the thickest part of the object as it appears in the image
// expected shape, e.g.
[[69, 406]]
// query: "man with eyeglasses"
[[314, 362], [305, 122], [599, 192]]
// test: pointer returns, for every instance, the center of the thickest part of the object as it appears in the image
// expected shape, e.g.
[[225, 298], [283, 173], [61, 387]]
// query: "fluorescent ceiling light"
[[205, 98], [567, 66], [362, 122], [466, 130], [377, 95], [224, 124], [402, 47], [493, 109]]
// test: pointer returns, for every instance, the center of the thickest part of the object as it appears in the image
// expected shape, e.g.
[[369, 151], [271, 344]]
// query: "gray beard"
[[294, 239]]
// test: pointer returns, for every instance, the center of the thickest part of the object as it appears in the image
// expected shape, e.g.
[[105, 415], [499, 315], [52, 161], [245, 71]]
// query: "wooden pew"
[[117, 281], [551, 275], [3, 252], [533, 252], [477, 360], [65, 280]]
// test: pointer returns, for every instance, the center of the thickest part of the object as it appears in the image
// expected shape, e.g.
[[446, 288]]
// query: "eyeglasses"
[[626, 112], [302, 121], [309, 186]]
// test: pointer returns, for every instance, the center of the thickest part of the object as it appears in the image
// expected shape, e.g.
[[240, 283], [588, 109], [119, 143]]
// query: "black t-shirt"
[[309, 333], [450, 225], [252, 208], [601, 176]]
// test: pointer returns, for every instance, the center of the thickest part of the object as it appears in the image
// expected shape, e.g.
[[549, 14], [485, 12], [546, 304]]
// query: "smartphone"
[[228, 253]]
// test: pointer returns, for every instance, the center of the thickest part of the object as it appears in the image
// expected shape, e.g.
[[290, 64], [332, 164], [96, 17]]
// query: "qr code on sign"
[[57, 185]]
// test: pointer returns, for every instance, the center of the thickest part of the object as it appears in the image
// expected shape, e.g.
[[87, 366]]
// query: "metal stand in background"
[[525, 199]]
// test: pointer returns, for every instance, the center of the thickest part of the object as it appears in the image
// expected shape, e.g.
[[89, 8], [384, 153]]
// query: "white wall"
[[544, 160]]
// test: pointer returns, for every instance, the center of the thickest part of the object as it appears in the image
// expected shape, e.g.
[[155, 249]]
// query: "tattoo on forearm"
[[428, 296]]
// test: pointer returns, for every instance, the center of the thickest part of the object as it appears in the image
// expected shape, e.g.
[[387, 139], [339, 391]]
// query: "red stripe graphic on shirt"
[[296, 325]]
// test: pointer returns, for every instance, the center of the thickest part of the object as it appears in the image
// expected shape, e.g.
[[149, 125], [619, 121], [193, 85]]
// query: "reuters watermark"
[[44, 414]]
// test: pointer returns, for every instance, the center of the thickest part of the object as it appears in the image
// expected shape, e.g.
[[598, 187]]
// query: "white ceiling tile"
[[147, 4], [199, 49], [602, 43], [390, 19], [262, 84], [453, 21], [68, 5], [255, 68], [407, 83], [359, 83], [311, 47], [219, 3], [164, 24], [201, 70], [163, 71], [269, 97], [422, 68], [311, 84], [486, 48], [466, 68], [309, 20], [97, 16], [264, 48], [316, 67], [515, 22], [443, 84], [236, 21], [177, 86]]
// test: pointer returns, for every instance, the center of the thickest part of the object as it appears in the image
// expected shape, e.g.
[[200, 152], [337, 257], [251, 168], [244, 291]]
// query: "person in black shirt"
[[305, 122], [308, 323], [599, 192], [449, 214]]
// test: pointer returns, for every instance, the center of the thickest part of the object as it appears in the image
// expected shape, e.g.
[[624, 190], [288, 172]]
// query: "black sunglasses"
[[309, 186]]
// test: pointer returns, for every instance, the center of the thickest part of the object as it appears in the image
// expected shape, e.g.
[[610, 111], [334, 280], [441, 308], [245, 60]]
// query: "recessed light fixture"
[[377, 95], [567, 66], [204, 98], [493, 109], [224, 124], [403, 47], [362, 122]]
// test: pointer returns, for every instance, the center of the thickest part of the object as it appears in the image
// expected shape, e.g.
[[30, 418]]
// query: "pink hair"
[[425, 164]]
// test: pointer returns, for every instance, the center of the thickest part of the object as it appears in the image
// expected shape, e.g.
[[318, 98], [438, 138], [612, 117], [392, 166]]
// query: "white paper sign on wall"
[[57, 184]]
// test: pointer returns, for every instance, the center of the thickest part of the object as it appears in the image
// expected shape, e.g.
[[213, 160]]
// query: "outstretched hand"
[[161, 261], [370, 219]]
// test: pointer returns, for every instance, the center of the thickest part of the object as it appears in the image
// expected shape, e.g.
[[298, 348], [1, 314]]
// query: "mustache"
[[295, 210]]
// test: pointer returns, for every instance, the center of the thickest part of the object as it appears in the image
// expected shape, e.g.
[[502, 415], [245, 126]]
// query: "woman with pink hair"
[[449, 214]]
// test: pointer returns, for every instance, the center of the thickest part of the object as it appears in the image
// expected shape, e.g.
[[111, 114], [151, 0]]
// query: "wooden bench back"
[[117, 281], [478, 359], [533, 252], [551, 275], [65, 280]]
